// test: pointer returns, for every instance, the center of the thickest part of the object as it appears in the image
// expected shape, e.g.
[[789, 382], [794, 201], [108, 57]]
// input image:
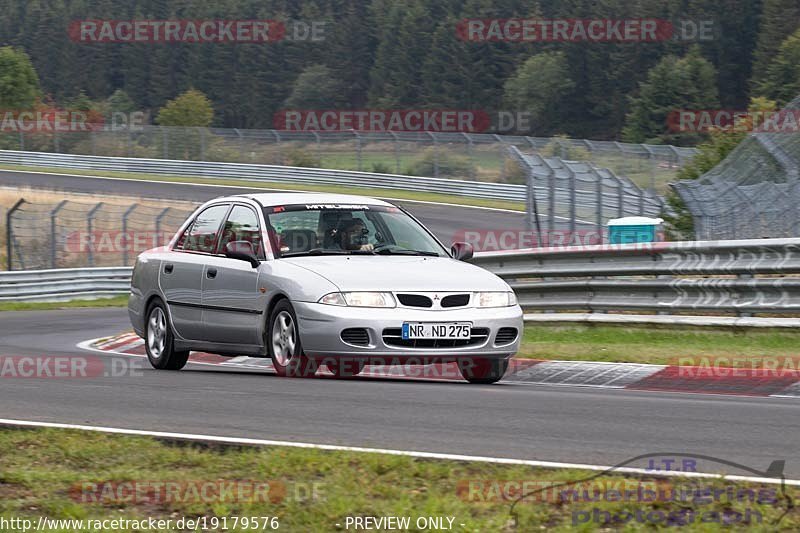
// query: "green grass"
[[117, 301], [40, 471], [654, 344], [341, 189]]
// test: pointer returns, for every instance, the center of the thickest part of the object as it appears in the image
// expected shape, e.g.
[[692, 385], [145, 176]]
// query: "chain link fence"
[[70, 234], [579, 196], [482, 157], [754, 193]]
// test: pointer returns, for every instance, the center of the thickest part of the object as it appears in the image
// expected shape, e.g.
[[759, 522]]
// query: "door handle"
[[168, 268], [211, 273]]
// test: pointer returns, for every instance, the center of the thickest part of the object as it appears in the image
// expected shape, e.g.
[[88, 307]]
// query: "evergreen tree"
[[19, 83], [782, 79], [779, 19]]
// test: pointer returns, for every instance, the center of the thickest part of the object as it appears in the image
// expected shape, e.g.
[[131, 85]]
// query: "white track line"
[[405, 453]]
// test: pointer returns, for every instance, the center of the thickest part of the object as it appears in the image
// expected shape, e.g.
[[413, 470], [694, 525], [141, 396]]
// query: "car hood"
[[395, 273]]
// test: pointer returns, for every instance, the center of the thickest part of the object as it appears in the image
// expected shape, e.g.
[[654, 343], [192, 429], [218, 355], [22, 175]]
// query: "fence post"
[[10, 233], [573, 198], [89, 229], [396, 152], [435, 155], [125, 235], [358, 149], [160, 216], [21, 141], [165, 142], [599, 217], [620, 197], [53, 215], [202, 144]]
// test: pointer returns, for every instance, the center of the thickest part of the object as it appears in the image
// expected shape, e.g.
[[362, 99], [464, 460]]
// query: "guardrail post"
[[89, 229], [160, 217], [53, 215], [125, 235], [10, 233]]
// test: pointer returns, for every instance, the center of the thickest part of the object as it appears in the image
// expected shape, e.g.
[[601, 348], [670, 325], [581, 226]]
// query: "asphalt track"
[[446, 221], [565, 424]]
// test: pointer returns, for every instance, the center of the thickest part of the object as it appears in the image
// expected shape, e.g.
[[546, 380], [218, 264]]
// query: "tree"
[[782, 80], [315, 88], [672, 85], [191, 108], [538, 87], [779, 18], [19, 83]]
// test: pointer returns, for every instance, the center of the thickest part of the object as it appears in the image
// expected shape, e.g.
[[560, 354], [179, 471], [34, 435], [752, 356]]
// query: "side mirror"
[[462, 251], [243, 251]]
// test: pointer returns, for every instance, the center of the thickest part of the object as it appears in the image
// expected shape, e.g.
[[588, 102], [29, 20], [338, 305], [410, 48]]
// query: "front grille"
[[455, 300], [506, 336], [357, 336], [393, 337], [415, 300]]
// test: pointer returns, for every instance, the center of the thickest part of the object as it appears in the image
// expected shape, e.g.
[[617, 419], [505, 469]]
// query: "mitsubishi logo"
[[436, 297]]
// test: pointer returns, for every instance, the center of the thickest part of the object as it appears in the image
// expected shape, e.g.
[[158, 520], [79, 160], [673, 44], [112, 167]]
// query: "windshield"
[[303, 229]]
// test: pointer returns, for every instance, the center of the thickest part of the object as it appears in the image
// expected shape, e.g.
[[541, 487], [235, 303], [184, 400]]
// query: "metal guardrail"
[[723, 277], [268, 173], [64, 284], [717, 277]]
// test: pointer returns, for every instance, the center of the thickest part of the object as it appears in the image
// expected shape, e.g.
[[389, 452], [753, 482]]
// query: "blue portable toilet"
[[634, 229]]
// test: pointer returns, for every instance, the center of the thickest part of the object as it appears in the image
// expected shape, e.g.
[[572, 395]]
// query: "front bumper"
[[321, 326]]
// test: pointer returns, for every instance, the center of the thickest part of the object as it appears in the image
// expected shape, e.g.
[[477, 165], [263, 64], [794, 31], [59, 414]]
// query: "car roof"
[[270, 199]]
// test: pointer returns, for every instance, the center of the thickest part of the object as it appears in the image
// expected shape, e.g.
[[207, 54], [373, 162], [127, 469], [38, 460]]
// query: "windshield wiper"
[[404, 251], [323, 251]]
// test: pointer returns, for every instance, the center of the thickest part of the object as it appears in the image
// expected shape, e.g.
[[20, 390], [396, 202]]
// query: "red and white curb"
[[631, 376]]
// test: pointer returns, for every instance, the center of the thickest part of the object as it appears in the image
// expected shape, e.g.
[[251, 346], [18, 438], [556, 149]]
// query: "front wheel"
[[160, 342], [283, 343], [481, 370]]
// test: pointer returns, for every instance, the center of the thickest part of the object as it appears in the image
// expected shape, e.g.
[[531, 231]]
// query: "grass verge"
[[64, 474], [655, 344], [117, 301], [339, 189]]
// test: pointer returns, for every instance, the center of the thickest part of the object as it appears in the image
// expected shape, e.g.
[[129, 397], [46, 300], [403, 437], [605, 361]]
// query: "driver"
[[352, 234]]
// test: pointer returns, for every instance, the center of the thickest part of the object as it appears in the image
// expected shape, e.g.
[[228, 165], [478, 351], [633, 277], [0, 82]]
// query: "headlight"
[[359, 299], [495, 299]]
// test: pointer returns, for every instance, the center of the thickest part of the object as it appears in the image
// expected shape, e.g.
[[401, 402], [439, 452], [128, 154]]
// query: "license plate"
[[436, 330]]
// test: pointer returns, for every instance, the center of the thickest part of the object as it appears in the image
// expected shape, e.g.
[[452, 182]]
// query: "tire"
[[345, 367], [159, 341], [481, 370], [283, 343]]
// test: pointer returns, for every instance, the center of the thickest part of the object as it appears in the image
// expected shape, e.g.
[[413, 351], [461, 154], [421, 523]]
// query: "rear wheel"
[[345, 367], [283, 342], [481, 370], [160, 342]]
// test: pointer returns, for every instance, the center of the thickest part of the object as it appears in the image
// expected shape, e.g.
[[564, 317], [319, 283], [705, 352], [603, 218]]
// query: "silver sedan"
[[319, 279]]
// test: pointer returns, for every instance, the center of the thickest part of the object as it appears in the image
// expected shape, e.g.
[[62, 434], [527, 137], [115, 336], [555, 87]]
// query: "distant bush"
[[298, 157], [449, 164], [381, 168]]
